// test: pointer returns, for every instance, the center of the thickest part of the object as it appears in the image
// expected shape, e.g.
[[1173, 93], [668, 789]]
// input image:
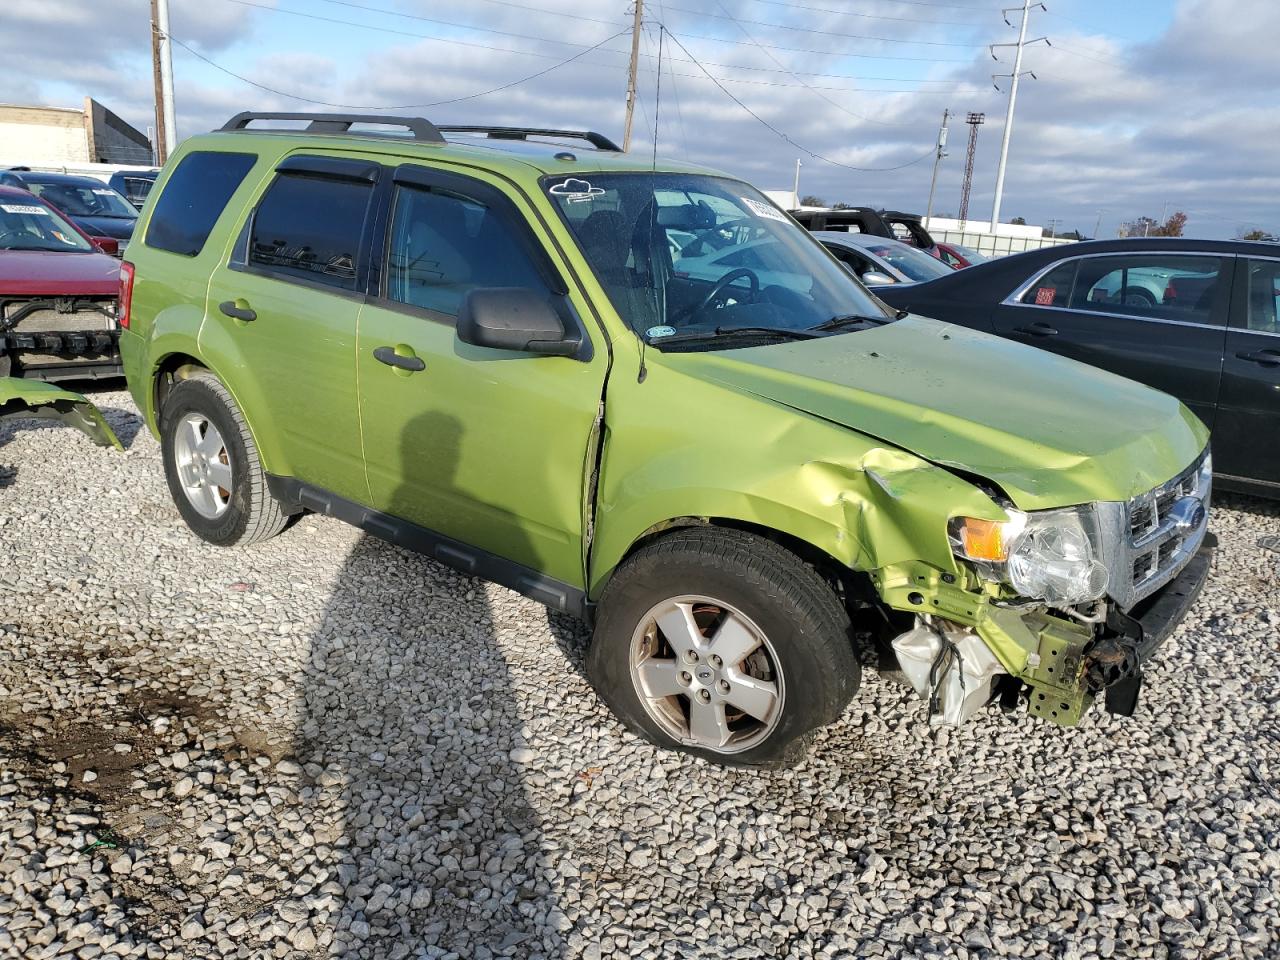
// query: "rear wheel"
[[725, 645], [212, 466]]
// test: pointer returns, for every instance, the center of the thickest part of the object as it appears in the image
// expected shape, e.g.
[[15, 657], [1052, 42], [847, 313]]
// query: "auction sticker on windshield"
[[763, 210], [24, 208]]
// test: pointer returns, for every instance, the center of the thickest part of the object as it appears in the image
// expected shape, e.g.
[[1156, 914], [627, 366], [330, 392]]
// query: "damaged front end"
[[30, 398], [1065, 605]]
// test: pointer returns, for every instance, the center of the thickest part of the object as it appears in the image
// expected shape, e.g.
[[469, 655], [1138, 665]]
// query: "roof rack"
[[337, 124], [597, 140]]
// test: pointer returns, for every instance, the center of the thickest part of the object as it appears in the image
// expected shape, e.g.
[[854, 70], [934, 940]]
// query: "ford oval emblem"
[[1188, 513]]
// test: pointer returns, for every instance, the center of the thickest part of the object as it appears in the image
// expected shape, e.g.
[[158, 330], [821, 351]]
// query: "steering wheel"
[[718, 291]]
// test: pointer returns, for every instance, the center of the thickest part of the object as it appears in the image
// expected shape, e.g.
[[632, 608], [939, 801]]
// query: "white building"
[[65, 136]]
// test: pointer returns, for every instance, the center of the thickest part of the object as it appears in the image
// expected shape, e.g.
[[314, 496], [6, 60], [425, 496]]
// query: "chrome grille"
[[1164, 528]]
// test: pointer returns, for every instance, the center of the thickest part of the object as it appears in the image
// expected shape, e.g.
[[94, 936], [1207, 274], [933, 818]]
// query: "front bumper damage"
[[968, 647], [29, 398]]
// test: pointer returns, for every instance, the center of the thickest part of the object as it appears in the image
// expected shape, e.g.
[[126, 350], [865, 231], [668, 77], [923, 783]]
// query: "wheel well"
[[175, 367], [853, 587]]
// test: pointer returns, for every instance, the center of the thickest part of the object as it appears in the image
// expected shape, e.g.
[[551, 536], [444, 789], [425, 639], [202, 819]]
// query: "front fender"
[[860, 502]]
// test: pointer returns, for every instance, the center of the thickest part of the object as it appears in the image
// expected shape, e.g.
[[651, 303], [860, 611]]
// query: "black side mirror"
[[515, 318]]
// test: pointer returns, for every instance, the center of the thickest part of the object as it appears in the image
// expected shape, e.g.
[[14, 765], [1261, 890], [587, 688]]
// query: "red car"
[[957, 257], [58, 293]]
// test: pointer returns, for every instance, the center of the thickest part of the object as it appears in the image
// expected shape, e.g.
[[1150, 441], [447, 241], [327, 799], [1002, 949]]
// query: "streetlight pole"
[[631, 74], [937, 159]]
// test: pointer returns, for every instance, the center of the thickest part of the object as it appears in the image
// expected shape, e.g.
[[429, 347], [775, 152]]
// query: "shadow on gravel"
[[409, 728]]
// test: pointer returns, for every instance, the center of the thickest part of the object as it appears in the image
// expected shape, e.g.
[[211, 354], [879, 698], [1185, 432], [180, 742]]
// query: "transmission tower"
[[974, 120]]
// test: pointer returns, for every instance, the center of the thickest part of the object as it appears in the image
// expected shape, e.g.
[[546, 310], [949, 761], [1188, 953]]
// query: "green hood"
[[1050, 431]]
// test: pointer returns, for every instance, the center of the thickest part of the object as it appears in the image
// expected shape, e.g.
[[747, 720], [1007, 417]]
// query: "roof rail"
[[337, 124], [597, 140]]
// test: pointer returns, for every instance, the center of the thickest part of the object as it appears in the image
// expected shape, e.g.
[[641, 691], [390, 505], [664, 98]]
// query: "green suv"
[[642, 394]]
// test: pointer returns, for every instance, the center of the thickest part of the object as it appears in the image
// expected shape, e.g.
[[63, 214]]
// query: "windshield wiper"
[[856, 320], [720, 333]]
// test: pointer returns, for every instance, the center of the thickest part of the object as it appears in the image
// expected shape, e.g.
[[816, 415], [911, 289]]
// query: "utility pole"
[[1053, 226], [974, 120], [1097, 227], [796, 189], [158, 144], [166, 120], [1013, 97], [937, 159], [631, 74]]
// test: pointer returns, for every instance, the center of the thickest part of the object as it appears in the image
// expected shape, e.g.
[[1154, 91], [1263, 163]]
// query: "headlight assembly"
[[1053, 555]]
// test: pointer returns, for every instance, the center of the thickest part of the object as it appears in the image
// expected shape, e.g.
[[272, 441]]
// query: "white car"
[[878, 261]]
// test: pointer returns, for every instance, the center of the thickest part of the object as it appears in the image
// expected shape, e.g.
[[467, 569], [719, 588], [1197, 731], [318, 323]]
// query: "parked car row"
[[95, 207]]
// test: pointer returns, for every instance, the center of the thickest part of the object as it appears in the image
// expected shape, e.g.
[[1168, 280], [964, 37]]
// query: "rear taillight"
[[1170, 293], [125, 300]]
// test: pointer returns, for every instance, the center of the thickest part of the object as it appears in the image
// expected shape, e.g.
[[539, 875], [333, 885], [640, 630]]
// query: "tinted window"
[[1264, 296], [444, 244], [1054, 288], [309, 228], [1152, 286], [193, 199]]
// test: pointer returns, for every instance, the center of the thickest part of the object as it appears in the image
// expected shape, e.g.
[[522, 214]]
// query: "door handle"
[[237, 310], [389, 356], [1038, 329], [1268, 358]]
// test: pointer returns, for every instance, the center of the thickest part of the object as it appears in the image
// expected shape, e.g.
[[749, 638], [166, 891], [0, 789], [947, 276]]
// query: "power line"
[[829, 33], [406, 106], [840, 54], [820, 96], [784, 136], [423, 36], [505, 3], [913, 3], [843, 13]]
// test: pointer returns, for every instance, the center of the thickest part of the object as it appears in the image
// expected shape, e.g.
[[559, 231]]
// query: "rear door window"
[[1054, 288], [194, 197], [1150, 286], [309, 228]]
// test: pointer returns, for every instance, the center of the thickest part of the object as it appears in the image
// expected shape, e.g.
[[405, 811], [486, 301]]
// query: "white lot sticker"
[[104, 193], [763, 210], [575, 191], [24, 208]]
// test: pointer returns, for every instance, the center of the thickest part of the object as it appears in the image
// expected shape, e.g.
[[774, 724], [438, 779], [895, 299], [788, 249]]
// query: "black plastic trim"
[[338, 124], [597, 140], [334, 168], [294, 496]]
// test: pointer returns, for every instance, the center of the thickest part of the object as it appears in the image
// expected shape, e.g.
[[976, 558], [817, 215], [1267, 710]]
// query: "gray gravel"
[[324, 746]]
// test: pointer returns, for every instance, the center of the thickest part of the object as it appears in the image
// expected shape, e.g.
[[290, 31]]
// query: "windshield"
[[31, 225], [912, 262], [87, 199], [684, 253], [970, 254]]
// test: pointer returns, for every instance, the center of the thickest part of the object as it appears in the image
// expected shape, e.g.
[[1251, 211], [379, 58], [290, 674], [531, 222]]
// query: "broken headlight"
[[1053, 555]]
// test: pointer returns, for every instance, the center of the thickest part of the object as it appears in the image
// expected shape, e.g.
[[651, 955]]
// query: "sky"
[[1137, 107]]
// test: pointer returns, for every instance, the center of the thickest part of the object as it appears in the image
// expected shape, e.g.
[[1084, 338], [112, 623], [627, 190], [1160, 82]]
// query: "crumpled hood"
[[58, 273], [1050, 431]]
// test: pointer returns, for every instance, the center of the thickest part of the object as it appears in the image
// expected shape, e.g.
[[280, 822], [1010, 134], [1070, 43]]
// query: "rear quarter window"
[[1054, 288], [193, 198]]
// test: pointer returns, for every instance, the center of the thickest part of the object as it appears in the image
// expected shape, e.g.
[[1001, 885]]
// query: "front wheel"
[[723, 644]]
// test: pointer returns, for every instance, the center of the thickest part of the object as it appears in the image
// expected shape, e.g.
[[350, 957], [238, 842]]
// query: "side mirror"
[[875, 278], [106, 245], [515, 318]]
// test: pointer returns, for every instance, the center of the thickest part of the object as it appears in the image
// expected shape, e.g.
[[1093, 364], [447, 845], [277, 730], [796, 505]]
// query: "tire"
[[238, 510], [723, 589], [1137, 297]]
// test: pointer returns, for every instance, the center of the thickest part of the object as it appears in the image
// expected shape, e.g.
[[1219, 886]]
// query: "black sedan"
[[1194, 318]]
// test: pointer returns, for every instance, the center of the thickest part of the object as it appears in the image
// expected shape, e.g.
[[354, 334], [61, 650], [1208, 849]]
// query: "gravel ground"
[[324, 746]]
